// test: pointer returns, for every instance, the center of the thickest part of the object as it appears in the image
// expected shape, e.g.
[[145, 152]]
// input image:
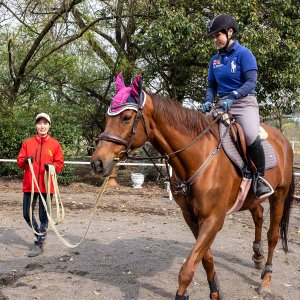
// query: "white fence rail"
[[87, 163], [119, 164]]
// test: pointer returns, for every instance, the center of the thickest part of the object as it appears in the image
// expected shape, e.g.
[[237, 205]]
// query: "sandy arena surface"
[[134, 249]]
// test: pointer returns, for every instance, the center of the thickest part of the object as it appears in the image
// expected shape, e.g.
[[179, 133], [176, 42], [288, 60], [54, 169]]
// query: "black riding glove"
[[47, 167], [27, 158]]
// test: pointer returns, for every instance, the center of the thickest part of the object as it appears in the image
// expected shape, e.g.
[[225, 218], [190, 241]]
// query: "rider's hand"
[[27, 158], [206, 107], [46, 166], [228, 102]]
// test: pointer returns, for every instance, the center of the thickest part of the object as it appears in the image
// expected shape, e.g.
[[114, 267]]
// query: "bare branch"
[[11, 60], [91, 40], [20, 20], [64, 8], [73, 38]]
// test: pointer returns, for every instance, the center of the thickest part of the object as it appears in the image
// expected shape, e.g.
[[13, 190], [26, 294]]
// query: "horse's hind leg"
[[257, 215], [276, 211], [208, 264]]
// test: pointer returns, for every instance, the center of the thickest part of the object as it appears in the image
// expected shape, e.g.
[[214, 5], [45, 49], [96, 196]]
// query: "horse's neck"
[[168, 138]]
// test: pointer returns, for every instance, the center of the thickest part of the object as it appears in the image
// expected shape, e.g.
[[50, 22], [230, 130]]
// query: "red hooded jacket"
[[44, 150]]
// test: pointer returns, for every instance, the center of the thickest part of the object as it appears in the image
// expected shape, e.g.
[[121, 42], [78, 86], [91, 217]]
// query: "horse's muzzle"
[[99, 168]]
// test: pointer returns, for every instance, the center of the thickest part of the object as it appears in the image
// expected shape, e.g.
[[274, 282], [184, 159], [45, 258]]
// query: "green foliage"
[[175, 48], [10, 169], [67, 175], [15, 124], [166, 40], [292, 130]]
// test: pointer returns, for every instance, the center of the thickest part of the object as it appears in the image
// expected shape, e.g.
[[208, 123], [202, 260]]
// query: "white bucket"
[[137, 180]]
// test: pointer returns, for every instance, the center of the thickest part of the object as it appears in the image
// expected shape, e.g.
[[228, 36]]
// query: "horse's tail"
[[284, 223]]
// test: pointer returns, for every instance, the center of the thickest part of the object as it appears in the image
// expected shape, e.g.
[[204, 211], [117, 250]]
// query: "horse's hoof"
[[258, 263], [216, 296], [265, 286], [264, 291], [185, 296]]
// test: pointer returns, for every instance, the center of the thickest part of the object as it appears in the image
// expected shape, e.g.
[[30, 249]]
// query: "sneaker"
[[36, 250]]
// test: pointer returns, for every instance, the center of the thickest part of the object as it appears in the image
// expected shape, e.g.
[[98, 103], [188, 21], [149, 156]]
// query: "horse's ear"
[[120, 82], [137, 86]]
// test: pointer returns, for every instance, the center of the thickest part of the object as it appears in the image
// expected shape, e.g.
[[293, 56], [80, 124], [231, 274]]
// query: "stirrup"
[[267, 184]]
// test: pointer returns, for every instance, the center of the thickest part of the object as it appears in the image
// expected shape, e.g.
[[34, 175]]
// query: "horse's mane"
[[185, 120]]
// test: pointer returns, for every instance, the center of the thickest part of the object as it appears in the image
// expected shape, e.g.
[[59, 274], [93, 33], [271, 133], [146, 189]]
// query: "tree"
[[68, 53], [174, 46]]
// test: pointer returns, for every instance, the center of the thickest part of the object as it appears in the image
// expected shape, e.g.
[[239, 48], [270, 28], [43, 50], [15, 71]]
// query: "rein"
[[183, 187]]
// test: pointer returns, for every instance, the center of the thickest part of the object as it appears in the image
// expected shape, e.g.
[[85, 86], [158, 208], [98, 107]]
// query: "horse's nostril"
[[97, 165], [93, 165]]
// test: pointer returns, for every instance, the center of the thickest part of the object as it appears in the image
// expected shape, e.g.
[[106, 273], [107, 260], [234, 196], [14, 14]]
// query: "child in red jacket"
[[42, 150]]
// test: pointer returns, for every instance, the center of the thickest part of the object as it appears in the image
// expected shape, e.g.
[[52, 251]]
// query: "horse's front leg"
[[208, 230], [208, 264], [258, 218]]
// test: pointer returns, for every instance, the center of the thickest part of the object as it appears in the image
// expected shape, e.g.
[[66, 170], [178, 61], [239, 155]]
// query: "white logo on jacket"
[[233, 67]]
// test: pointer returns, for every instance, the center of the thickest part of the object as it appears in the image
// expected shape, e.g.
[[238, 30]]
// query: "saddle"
[[234, 145]]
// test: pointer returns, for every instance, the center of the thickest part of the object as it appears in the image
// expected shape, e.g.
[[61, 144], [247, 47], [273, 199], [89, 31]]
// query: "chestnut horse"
[[135, 117]]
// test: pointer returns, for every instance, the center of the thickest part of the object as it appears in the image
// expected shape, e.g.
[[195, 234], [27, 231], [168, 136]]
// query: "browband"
[[133, 106]]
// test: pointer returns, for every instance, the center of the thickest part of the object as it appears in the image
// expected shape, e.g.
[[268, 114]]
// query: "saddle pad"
[[231, 150]]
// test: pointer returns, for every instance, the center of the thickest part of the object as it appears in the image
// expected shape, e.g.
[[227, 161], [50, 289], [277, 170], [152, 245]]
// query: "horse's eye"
[[126, 118]]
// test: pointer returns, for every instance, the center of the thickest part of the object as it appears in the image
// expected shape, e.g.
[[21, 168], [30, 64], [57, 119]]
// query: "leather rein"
[[177, 186]]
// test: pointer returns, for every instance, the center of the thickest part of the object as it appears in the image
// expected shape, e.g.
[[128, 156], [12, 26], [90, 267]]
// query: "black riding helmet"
[[221, 23]]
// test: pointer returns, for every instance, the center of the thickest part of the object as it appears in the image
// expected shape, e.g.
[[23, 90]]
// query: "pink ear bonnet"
[[127, 97]]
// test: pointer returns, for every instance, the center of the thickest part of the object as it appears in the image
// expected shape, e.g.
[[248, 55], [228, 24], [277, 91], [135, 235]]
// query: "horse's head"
[[125, 129]]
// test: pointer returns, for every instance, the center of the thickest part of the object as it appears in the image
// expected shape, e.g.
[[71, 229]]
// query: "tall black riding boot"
[[261, 188]]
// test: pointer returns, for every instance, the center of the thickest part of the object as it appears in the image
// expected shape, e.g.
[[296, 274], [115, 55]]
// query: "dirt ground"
[[134, 249]]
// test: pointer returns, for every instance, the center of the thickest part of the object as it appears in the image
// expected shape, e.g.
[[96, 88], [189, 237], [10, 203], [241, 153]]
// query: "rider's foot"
[[261, 187]]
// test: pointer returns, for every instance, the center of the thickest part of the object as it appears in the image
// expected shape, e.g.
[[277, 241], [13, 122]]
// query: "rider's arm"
[[211, 91], [248, 86], [212, 85], [249, 69]]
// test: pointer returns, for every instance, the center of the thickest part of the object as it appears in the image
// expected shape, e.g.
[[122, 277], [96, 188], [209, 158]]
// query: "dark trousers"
[[42, 228]]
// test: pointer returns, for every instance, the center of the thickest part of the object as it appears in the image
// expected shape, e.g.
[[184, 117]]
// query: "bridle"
[[117, 140], [177, 186]]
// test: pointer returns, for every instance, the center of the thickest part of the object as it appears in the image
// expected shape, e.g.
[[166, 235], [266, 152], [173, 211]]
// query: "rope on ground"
[[60, 217]]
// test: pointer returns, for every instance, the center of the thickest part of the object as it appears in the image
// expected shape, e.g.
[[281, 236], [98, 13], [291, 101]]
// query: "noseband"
[[117, 140]]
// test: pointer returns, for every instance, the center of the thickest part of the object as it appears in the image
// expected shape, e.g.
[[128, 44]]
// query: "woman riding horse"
[[232, 76]]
